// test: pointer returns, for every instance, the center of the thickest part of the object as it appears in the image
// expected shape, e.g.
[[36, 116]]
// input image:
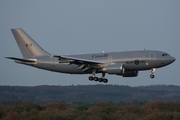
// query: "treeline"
[[156, 110], [89, 93]]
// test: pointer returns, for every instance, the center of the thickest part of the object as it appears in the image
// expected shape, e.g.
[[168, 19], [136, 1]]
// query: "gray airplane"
[[126, 64]]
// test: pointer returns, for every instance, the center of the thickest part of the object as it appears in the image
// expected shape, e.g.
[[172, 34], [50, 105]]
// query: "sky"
[[89, 26]]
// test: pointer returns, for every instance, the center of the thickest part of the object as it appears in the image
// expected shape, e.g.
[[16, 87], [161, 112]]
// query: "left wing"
[[83, 64]]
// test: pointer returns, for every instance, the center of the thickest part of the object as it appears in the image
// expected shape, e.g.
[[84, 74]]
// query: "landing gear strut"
[[102, 79], [152, 73]]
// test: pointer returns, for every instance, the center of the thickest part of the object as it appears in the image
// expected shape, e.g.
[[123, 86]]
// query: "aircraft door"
[[151, 56], [53, 61], [110, 59]]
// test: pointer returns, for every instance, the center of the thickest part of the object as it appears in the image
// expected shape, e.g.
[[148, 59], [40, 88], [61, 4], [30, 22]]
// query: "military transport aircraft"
[[126, 64]]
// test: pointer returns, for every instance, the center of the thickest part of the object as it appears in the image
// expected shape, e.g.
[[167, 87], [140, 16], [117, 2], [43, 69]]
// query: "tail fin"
[[29, 48]]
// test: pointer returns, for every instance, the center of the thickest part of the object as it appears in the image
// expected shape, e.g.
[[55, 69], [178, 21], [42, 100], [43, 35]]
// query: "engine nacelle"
[[115, 69], [119, 69], [130, 74]]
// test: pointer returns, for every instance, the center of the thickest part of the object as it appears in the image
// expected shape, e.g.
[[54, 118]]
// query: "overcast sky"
[[81, 26]]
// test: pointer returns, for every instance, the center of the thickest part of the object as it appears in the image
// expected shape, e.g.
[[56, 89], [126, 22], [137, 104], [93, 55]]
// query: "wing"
[[83, 64]]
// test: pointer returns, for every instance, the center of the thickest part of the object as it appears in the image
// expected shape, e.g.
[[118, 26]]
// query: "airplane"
[[125, 64]]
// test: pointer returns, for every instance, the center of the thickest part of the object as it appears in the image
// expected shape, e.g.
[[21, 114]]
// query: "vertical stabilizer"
[[29, 48]]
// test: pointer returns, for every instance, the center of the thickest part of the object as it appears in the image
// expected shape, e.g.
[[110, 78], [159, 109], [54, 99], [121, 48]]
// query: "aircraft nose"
[[173, 59], [169, 60]]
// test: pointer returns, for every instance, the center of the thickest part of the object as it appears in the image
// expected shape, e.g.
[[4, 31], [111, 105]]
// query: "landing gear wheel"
[[105, 80], [152, 76], [100, 79], [95, 78], [91, 78]]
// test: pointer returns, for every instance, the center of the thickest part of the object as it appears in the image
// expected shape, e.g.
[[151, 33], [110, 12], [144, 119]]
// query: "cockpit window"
[[165, 55]]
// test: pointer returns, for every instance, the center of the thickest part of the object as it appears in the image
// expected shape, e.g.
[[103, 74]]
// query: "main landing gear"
[[152, 73], [102, 79], [91, 78]]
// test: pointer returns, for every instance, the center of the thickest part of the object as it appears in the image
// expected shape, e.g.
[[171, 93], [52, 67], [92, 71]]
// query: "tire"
[[100, 79], [95, 78], [152, 76], [91, 78], [105, 80]]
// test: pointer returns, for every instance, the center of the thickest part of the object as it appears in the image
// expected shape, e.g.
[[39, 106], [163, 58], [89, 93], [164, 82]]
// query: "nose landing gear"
[[152, 73]]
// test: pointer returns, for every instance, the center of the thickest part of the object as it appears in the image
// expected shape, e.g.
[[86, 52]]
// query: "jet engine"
[[119, 69], [115, 69]]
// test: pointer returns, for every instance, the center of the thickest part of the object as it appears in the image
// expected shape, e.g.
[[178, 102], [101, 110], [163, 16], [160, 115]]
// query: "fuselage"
[[132, 60]]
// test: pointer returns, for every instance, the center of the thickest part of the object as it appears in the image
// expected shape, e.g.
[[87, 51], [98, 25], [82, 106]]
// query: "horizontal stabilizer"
[[22, 60]]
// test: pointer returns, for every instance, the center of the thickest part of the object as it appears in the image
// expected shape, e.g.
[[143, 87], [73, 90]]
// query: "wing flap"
[[78, 60]]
